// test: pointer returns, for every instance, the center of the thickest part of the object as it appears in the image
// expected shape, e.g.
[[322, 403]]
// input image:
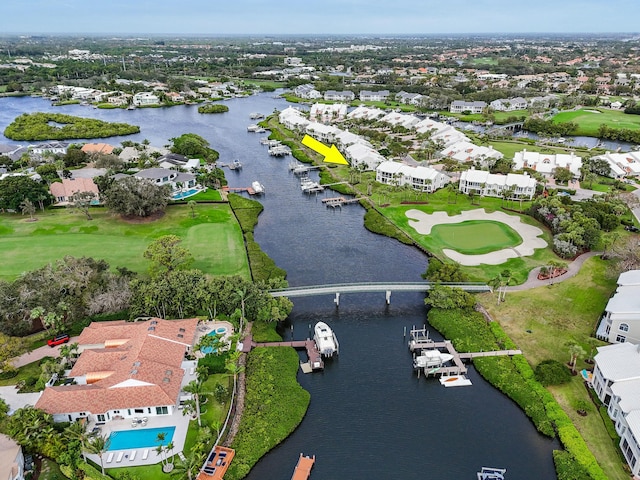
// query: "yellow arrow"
[[330, 154]]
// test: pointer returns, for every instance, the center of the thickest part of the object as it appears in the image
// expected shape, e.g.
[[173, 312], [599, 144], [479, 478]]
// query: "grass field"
[[544, 320], [589, 120], [476, 237], [213, 237]]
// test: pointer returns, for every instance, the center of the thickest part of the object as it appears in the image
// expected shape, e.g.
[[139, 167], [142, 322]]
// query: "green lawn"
[[475, 237], [213, 237], [589, 120], [544, 320]]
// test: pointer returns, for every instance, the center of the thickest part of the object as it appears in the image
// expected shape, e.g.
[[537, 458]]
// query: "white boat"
[[431, 358], [490, 473], [258, 188], [325, 339], [236, 164], [253, 128], [256, 116], [455, 381], [306, 185]]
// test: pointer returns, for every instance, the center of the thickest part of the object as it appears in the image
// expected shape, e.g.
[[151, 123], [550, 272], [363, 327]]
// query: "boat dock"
[[338, 201], [217, 463], [419, 340], [313, 354], [303, 468], [249, 190], [279, 151]]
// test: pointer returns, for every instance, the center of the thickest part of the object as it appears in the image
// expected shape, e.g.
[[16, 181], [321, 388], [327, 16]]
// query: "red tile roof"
[[69, 186], [141, 370]]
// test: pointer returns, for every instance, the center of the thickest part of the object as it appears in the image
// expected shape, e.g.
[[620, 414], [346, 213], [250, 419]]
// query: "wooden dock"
[[249, 190], [303, 468], [338, 201], [419, 340], [315, 359], [217, 463]]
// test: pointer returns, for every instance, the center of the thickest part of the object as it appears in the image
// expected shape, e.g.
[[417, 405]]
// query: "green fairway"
[[590, 119], [476, 237], [213, 237]]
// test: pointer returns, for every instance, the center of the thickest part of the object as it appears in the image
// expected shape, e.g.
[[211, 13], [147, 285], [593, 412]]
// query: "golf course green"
[[590, 119], [211, 234], [475, 237]]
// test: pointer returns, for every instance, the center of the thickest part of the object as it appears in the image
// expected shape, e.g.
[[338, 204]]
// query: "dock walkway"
[[419, 340], [315, 359], [303, 468]]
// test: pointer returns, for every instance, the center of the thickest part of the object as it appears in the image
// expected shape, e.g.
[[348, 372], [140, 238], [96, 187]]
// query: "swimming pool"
[[217, 331], [185, 194], [143, 438]]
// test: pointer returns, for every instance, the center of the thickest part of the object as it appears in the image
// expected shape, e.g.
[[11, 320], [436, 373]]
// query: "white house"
[[409, 98], [616, 381], [145, 98], [324, 112], [400, 119], [11, 459], [162, 176], [306, 91], [345, 138], [423, 179], [364, 156], [509, 104], [459, 106], [440, 132], [481, 182], [322, 132], [369, 96], [52, 148], [125, 369], [622, 164], [546, 163], [365, 113], [293, 119], [464, 151], [335, 96], [621, 320]]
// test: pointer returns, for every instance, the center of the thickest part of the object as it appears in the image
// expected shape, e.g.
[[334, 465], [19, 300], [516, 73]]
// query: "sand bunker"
[[423, 223]]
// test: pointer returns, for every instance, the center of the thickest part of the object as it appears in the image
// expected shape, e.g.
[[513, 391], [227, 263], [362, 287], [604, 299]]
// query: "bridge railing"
[[391, 285]]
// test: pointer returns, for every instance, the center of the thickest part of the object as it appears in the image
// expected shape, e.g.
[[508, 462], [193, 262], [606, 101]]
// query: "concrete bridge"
[[363, 287]]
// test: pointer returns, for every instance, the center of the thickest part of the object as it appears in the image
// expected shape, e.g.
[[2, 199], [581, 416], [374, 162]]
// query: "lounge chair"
[[144, 419], [134, 424], [133, 455], [145, 454], [119, 457], [109, 457]]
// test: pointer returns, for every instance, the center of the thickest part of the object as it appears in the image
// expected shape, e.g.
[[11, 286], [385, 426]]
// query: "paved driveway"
[[17, 400]]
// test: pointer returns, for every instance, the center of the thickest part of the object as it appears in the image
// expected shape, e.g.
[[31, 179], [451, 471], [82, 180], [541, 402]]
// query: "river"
[[369, 417]]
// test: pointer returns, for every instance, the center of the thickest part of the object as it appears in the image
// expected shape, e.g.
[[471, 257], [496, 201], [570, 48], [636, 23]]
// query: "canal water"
[[370, 417]]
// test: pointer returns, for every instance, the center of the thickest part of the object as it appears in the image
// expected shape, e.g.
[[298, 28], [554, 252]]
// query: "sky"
[[244, 17]]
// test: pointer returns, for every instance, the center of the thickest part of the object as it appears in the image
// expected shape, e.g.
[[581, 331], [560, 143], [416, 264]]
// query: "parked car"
[[58, 340], [632, 228]]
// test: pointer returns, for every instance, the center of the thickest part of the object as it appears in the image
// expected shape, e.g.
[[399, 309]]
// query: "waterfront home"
[[306, 91], [481, 182], [409, 98], [293, 119], [423, 179], [162, 176], [120, 99], [125, 370], [460, 106], [175, 161], [464, 152], [363, 156], [322, 132], [97, 148], [622, 164], [11, 459], [400, 119], [49, 148], [621, 320], [509, 104], [63, 191], [369, 96], [131, 154], [145, 98], [345, 138], [326, 112], [546, 163], [366, 113], [439, 132], [335, 96], [616, 381]]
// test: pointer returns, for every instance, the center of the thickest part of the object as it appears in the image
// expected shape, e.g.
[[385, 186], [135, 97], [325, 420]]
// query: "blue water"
[[217, 331], [143, 438], [188, 193], [220, 330]]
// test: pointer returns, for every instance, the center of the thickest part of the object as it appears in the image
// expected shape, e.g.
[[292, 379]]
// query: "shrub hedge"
[[515, 378]]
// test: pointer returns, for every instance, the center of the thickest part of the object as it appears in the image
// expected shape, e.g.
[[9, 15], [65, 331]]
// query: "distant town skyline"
[[341, 17]]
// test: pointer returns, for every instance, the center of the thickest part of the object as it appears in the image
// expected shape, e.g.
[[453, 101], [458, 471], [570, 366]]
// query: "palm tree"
[[451, 189], [575, 351], [27, 206], [196, 389], [192, 205], [168, 457], [77, 431], [98, 445], [68, 351], [188, 468]]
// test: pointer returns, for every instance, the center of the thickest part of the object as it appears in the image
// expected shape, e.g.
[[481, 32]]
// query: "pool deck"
[[130, 459], [205, 328]]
